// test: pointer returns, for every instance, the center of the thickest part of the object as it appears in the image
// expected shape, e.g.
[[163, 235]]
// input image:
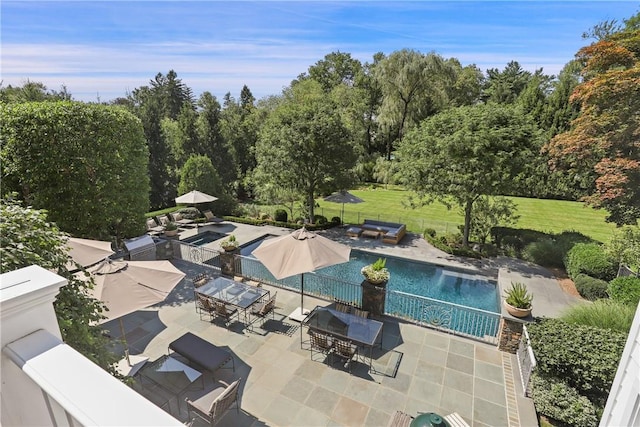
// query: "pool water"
[[424, 279], [416, 278], [204, 238]]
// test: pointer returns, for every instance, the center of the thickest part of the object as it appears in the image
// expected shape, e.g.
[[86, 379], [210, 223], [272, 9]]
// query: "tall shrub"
[[625, 290], [603, 313], [585, 357], [590, 259], [555, 399], [86, 164]]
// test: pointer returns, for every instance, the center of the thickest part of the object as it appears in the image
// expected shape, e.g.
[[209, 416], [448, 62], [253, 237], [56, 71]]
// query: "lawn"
[[543, 215]]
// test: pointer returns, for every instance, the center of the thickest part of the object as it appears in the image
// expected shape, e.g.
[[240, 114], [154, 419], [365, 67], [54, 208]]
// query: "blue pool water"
[[204, 238], [416, 278]]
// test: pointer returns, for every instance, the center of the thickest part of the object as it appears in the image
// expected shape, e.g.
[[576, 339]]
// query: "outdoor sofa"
[[201, 353], [391, 232]]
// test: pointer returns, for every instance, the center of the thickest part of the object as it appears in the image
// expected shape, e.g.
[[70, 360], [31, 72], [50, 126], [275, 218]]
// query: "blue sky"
[[102, 50]]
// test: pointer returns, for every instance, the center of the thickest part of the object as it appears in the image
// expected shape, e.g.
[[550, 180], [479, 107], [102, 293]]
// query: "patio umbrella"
[[343, 197], [195, 197], [297, 253], [128, 286], [87, 252]]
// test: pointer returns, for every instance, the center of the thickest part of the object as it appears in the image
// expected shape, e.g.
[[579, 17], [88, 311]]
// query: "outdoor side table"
[[172, 375]]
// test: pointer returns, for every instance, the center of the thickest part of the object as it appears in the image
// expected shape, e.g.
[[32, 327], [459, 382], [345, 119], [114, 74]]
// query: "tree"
[[464, 153], [624, 247], [32, 92], [86, 164], [28, 238], [504, 87], [602, 142], [337, 68], [303, 145], [489, 212], [199, 174], [413, 88]]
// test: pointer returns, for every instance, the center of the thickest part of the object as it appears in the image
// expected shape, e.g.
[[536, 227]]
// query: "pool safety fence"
[[445, 316], [454, 318], [196, 254]]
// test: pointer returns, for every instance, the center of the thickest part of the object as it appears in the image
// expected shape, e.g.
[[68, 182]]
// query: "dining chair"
[[214, 404], [346, 351], [225, 312], [204, 305], [263, 309], [321, 343]]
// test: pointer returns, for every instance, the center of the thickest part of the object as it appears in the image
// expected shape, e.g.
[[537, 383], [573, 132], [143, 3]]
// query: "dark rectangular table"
[[359, 330]]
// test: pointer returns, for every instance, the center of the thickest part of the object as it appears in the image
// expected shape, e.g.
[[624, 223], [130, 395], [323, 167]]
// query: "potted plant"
[[518, 300], [170, 229], [376, 273], [229, 244]]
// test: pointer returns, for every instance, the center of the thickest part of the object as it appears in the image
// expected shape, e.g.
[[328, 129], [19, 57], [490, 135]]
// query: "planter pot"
[[517, 312], [170, 233], [230, 249]]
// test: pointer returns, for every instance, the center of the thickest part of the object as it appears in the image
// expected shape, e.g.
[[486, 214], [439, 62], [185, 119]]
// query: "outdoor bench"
[[391, 232], [202, 353]]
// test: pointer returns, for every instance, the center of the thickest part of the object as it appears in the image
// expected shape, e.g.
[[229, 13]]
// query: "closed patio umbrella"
[[128, 286], [343, 197], [297, 253]]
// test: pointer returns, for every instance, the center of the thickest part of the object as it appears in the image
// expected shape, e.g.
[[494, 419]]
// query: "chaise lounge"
[[391, 232]]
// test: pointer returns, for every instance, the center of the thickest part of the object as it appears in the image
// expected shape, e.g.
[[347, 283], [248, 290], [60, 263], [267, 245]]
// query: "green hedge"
[[545, 252], [592, 260], [585, 357], [292, 225], [590, 287], [555, 399], [625, 290]]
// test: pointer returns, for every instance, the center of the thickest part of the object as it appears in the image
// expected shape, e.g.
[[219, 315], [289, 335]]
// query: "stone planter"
[[517, 312], [227, 263], [171, 233], [373, 297]]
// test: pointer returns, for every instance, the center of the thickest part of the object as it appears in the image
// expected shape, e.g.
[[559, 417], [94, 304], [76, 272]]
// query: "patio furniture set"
[[175, 377], [226, 299], [157, 226], [390, 232], [341, 334]]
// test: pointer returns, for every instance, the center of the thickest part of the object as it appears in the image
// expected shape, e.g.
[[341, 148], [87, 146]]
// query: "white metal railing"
[[526, 360], [461, 320], [196, 254], [466, 321]]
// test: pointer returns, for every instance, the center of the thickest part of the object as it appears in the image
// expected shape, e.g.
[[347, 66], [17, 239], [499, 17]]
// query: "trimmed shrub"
[[319, 219], [625, 290], [585, 357], [545, 252], [453, 250], [590, 287], [590, 259], [336, 220], [603, 313], [430, 232], [555, 399], [280, 215]]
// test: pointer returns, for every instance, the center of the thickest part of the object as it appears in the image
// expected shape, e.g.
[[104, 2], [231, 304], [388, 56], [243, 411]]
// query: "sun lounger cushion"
[[201, 352]]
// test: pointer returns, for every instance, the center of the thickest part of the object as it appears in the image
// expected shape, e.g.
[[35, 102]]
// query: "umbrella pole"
[[302, 293], [124, 338]]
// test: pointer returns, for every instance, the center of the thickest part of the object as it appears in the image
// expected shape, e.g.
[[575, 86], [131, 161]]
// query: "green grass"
[[544, 215]]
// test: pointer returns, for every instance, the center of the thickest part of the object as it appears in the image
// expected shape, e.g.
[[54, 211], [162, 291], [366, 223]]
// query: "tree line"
[[447, 131]]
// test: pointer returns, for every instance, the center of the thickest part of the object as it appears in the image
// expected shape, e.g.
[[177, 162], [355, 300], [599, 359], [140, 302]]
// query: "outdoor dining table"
[[357, 329], [229, 291]]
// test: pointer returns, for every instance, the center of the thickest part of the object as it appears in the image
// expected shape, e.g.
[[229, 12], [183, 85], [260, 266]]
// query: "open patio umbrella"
[[297, 253], [343, 197], [128, 286], [195, 197], [87, 252]]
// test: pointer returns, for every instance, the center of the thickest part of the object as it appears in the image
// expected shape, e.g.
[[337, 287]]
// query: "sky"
[[104, 50]]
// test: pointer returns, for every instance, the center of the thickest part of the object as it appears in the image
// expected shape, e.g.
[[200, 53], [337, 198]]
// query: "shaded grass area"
[[543, 215]]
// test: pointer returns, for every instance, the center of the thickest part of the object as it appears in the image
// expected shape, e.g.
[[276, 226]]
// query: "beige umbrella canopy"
[[194, 197], [343, 197], [128, 286], [300, 252], [88, 252]]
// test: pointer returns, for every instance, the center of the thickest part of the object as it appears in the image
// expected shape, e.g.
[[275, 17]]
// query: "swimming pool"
[[204, 238], [461, 301]]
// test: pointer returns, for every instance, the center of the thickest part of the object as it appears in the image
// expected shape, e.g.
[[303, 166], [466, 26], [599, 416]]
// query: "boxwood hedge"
[[625, 290], [590, 259], [555, 399]]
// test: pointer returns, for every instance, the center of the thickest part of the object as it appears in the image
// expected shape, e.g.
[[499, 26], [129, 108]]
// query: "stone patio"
[[417, 370]]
